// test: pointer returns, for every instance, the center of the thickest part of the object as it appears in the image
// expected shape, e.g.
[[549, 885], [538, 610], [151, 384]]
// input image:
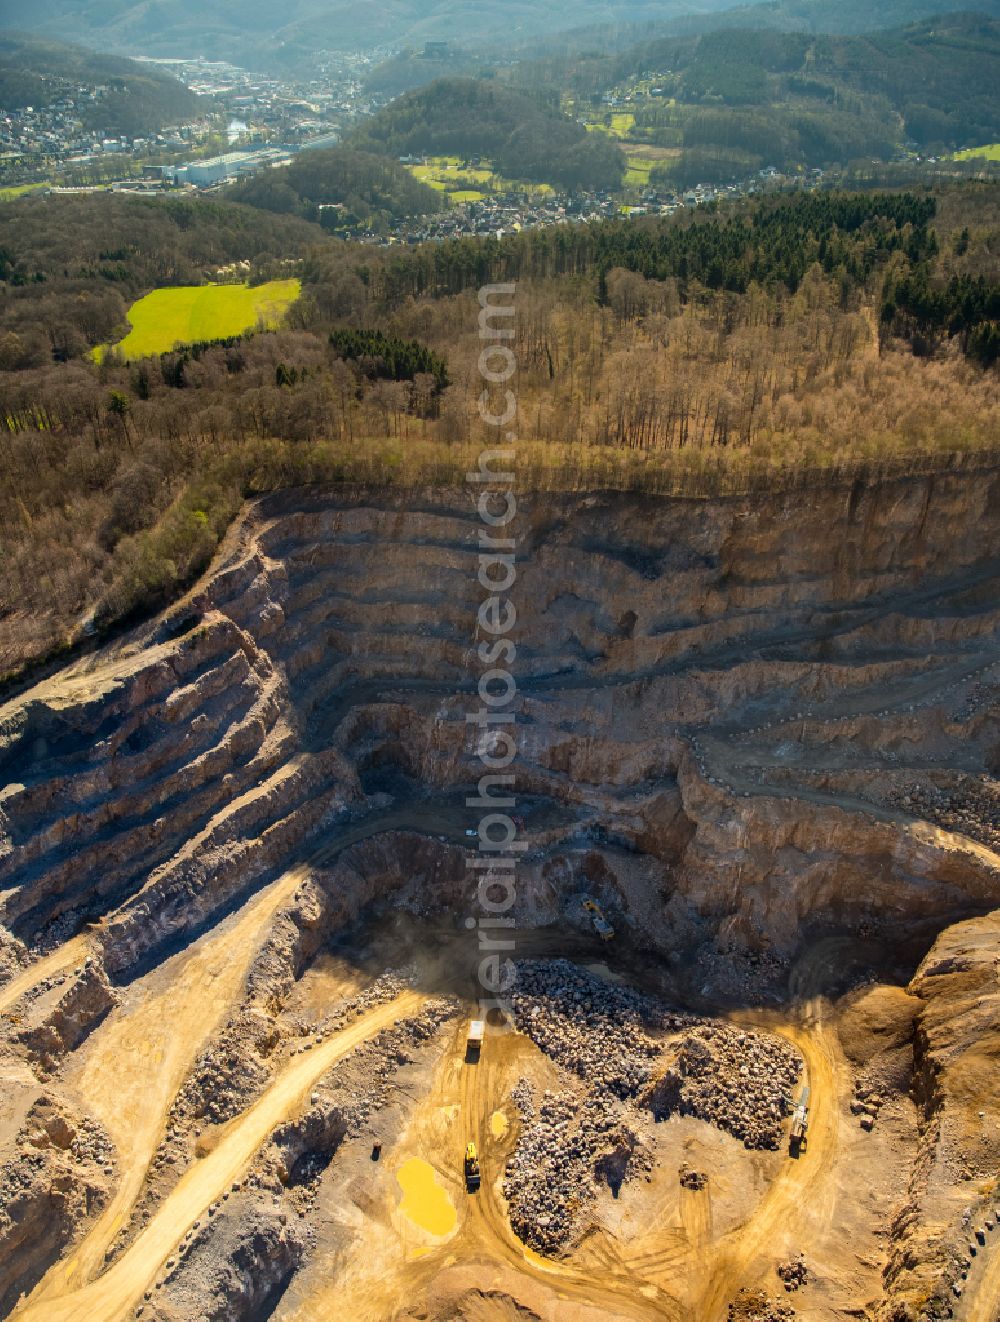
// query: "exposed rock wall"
[[55, 1024], [953, 1190], [148, 786], [55, 1176], [743, 726]]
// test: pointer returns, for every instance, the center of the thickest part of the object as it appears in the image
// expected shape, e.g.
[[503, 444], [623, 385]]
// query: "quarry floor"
[[657, 1250]]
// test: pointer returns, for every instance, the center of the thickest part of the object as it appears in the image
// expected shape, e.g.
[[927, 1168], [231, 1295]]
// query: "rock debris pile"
[[983, 696], [366, 1075], [629, 1055], [737, 1080], [565, 1151], [68, 1008], [737, 972], [595, 1029], [794, 1273], [690, 1179], [970, 805], [57, 1170], [975, 1236], [756, 1306], [866, 1103]]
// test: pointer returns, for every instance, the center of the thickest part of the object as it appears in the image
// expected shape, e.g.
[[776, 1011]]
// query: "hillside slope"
[[521, 137], [736, 99], [118, 95], [233, 29], [72, 264], [337, 186], [940, 74], [255, 31]]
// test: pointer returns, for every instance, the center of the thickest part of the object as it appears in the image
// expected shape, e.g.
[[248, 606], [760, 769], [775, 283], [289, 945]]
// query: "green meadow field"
[[185, 314], [641, 161], [465, 183], [991, 152], [19, 190]]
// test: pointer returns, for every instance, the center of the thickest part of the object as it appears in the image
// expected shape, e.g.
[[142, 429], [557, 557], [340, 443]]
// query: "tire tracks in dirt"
[[111, 1295]]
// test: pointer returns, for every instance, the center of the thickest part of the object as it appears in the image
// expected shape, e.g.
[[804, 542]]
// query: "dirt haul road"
[[70, 955], [392, 1258], [799, 1206], [984, 1305], [129, 1071], [676, 1272], [690, 1279], [113, 1294], [484, 1087]]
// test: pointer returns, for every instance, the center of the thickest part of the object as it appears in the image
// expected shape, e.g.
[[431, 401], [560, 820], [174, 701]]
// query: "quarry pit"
[[759, 737]]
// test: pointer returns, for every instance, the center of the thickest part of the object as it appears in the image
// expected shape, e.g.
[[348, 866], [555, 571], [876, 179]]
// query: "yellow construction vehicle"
[[472, 1176], [601, 925]]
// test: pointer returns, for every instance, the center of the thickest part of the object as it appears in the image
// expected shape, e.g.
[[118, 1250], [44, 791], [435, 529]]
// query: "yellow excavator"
[[472, 1175], [601, 925]]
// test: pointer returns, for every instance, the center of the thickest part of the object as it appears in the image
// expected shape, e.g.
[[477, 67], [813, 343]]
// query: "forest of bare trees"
[[120, 478]]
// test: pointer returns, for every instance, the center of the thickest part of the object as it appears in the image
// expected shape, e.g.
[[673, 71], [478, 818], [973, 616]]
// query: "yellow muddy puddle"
[[498, 1125], [425, 1203]]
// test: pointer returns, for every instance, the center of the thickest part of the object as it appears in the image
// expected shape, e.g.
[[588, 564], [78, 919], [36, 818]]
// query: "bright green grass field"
[[990, 152], [18, 190], [185, 314], [638, 171], [445, 173], [622, 125]]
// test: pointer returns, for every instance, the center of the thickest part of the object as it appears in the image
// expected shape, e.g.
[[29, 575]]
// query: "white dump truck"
[[799, 1136]]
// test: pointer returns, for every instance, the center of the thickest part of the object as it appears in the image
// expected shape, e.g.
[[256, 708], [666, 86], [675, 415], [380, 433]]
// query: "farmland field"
[[186, 314], [641, 161], [19, 190], [617, 124], [991, 152], [466, 183]]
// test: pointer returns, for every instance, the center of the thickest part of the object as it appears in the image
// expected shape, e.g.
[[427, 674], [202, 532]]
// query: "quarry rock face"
[[56, 1168], [761, 735], [147, 786], [952, 1192], [54, 1025]]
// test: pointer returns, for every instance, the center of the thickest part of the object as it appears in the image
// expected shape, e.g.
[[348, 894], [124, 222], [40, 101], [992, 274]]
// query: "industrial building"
[[231, 165]]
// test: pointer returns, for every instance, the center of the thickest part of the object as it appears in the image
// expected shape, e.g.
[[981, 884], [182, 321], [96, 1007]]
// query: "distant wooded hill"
[[133, 98], [260, 33], [416, 67], [256, 33], [819, 16], [738, 99], [947, 65], [336, 186], [521, 137]]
